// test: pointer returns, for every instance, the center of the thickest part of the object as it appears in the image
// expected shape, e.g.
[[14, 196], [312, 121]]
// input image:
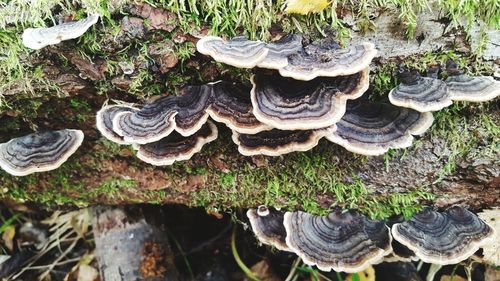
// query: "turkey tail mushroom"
[[267, 225]]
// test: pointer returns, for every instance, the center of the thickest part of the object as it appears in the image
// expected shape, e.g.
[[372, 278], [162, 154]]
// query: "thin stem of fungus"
[[248, 272]]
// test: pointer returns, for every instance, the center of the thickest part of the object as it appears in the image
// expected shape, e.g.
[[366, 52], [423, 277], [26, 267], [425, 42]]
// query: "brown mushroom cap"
[[373, 128], [175, 147], [39, 152], [267, 224], [231, 105], [288, 104], [347, 242], [447, 237], [104, 121], [238, 51], [276, 142]]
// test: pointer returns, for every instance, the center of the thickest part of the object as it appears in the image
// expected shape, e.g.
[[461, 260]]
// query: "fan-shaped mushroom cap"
[[231, 105], [192, 109], [443, 238], [328, 60], [289, 104], [153, 122], [277, 56], [37, 38], [347, 242], [372, 129], [276, 142], [420, 93], [176, 147], [104, 121], [39, 152], [267, 224], [470, 88], [238, 51], [491, 250]]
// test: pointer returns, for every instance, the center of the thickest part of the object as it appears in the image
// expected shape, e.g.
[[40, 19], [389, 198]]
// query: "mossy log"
[[456, 162]]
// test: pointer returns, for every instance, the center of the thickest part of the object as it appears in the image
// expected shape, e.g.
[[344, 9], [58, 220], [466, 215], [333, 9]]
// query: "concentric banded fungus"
[[152, 123], [372, 129], [277, 56], [288, 104], [470, 88], [37, 38], [231, 105], [347, 242], [238, 51], [327, 59], [420, 93], [39, 152], [443, 238], [104, 121], [276, 142], [192, 109], [176, 147], [267, 224]]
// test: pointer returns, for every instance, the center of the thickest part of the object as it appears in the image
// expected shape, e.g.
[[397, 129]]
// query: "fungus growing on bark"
[[423, 94], [192, 109], [151, 123], [278, 51], [347, 242], [39, 152], [176, 147], [373, 128], [327, 59], [470, 88], [238, 51], [447, 237], [37, 38], [104, 121], [231, 105], [288, 104], [277, 142], [267, 224]]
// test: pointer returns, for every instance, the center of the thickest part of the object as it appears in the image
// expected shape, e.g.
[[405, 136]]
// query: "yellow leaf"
[[305, 7], [365, 275]]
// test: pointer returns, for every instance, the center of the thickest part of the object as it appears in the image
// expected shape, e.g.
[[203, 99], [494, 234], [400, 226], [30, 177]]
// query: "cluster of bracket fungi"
[[350, 242]]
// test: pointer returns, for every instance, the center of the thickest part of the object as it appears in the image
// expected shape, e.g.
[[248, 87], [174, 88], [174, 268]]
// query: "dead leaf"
[[8, 237], [264, 271]]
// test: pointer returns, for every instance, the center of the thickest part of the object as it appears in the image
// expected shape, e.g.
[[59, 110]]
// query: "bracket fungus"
[[151, 123], [238, 51], [276, 142], [267, 224], [104, 121], [278, 51], [231, 105], [423, 94], [192, 109], [470, 88], [327, 59], [176, 147], [442, 238], [288, 104], [39, 152], [347, 242], [373, 128], [37, 38]]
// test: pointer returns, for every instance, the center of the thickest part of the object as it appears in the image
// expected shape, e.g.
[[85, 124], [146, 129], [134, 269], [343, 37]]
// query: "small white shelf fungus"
[[443, 238], [267, 224], [37, 38], [39, 152], [373, 128]]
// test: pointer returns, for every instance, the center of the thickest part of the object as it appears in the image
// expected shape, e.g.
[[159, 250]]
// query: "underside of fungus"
[[104, 121], [347, 242], [37, 38], [373, 128], [423, 94], [231, 105], [39, 152], [277, 142], [176, 147], [267, 224], [447, 237], [289, 104]]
